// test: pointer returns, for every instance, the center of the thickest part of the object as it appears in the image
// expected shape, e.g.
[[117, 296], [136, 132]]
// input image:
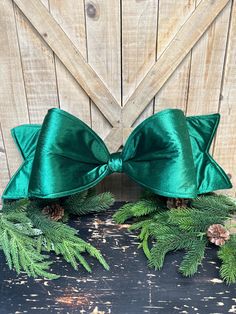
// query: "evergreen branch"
[[172, 240], [15, 206], [195, 220], [25, 232], [19, 247], [84, 203], [138, 209], [193, 257], [183, 228], [144, 236], [227, 255], [214, 203], [124, 213], [140, 224], [63, 240], [159, 251]]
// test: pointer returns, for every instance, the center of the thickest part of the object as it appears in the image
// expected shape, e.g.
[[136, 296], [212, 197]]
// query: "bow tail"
[[210, 176], [25, 138]]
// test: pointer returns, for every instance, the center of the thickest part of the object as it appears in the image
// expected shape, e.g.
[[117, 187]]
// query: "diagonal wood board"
[[121, 118]]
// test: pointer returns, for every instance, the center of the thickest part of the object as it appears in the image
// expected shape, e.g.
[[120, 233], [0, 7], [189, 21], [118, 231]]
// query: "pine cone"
[[177, 202], [217, 234], [54, 211]]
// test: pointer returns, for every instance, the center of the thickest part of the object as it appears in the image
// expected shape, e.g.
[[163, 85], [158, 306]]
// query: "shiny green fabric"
[[25, 137], [210, 176], [167, 153]]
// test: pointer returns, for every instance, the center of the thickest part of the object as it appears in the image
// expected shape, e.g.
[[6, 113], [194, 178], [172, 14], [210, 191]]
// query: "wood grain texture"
[[177, 50], [70, 16], [13, 102], [103, 43], [207, 67], [172, 15], [56, 38], [38, 69], [225, 145], [5, 173], [139, 31]]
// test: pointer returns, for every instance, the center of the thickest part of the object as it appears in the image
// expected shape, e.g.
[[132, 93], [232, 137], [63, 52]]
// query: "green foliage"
[[85, 203], [138, 209], [19, 246], [216, 203], [63, 240], [26, 233], [181, 229], [193, 257], [227, 255]]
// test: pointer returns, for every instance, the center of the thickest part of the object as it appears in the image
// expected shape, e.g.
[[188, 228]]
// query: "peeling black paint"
[[130, 287]]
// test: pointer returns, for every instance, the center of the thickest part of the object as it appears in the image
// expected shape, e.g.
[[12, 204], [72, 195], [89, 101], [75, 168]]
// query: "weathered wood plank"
[[13, 104], [103, 42], [4, 172], [70, 16], [139, 31], [207, 67], [225, 144], [38, 69], [59, 42], [172, 15], [104, 55], [177, 50]]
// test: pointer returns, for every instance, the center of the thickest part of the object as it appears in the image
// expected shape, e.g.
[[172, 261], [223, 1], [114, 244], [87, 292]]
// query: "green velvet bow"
[[167, 154]]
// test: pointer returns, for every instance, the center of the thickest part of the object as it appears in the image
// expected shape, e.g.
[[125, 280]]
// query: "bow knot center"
[[115, 162]]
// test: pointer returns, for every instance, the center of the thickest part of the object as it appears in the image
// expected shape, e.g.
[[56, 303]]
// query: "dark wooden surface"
[[130, 287]]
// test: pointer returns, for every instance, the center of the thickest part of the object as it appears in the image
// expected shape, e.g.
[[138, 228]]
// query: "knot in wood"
[[91, 10]]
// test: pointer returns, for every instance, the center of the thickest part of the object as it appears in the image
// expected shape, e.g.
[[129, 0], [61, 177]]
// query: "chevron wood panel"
[[114, 63]]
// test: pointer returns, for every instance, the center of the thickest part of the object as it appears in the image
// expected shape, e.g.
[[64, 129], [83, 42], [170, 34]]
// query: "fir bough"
[[27, 234], [162, 230]]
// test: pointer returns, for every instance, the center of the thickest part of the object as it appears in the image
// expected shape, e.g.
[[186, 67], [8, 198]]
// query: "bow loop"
[[115, 162]]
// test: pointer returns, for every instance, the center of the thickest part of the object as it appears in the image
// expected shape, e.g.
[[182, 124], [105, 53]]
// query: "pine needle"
[[181, 229], [26, 233], [193, 258], [138, 209], [83, 204], [227, 255], [63, 240], [20, 247]]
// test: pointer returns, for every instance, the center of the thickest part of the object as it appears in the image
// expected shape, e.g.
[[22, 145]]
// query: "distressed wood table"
[[130, 287]]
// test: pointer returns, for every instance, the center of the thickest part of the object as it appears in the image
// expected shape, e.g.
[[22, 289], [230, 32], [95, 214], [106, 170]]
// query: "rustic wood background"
[[93, 58]]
